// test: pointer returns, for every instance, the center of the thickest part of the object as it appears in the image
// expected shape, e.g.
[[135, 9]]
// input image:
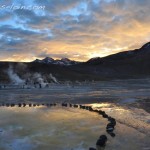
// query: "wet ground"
[[40, 128], [118, 91]]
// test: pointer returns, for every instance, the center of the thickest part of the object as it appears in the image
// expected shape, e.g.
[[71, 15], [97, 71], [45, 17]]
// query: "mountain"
[[94, 61], [141, 53], [63, 61], [123, 65]]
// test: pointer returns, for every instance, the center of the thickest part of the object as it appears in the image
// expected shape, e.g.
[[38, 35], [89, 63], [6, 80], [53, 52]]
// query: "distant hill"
[[127, 64], [62, 62]]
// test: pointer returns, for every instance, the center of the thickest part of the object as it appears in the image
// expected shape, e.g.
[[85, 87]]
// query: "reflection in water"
[[132, 129], [101, 105], [67, 129], [49, 128]]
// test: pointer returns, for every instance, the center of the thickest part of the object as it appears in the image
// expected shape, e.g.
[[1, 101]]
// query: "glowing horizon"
[[78, 30]]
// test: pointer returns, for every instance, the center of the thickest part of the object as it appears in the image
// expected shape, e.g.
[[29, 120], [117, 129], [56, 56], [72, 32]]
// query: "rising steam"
[[53, 78], [15, 79]]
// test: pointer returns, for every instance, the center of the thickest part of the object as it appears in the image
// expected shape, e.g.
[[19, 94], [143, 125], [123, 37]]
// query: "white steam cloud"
[[53, 78], [15, 79], [39, 79]]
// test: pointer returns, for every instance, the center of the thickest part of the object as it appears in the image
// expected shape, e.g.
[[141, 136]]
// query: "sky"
[[75, 29]]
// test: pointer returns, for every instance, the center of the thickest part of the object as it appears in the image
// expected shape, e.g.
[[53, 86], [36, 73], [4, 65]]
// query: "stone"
[[101, 142], [24, 105], [19, 105], [34, 105], [91, 148], [12, 105], [75, 106], [109, 130], [112, 134], [105, 116], [64, 104], [90, 108], [110, 126]]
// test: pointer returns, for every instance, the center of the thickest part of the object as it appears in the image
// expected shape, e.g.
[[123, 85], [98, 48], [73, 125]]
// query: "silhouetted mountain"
[[63, 61], [94, 61], [127, 64], [144, 51]]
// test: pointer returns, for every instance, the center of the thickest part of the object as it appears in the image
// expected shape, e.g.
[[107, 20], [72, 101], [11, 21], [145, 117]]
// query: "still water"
[[49, 128], [62, 129]]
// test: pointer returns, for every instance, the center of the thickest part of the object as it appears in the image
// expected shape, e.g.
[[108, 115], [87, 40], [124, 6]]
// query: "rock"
[[87, 107], [109, 118], [109, 130], [12, 105], [97, 111], [19, 105], [90, 108], [24, 105], [112, 134], [101, 112], [30, 105], [101, 142], [105, 116], [110, 125], [82, 107], [64, 104], [91, 148], [112, 121], [75, 106]]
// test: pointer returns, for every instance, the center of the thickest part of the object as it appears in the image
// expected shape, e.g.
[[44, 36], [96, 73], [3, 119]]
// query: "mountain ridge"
[[123, 65], [62, 61], [98, 60]]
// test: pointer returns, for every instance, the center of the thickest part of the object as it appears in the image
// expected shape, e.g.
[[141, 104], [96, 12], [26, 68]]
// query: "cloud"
[[5, 16], [57, 6], [30, 18], [78, 29]]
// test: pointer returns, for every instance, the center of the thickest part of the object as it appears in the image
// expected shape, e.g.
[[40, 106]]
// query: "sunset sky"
[[76, 29]]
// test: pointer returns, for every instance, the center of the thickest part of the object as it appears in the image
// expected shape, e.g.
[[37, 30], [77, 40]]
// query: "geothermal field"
[[74, 74], [51, 117]]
